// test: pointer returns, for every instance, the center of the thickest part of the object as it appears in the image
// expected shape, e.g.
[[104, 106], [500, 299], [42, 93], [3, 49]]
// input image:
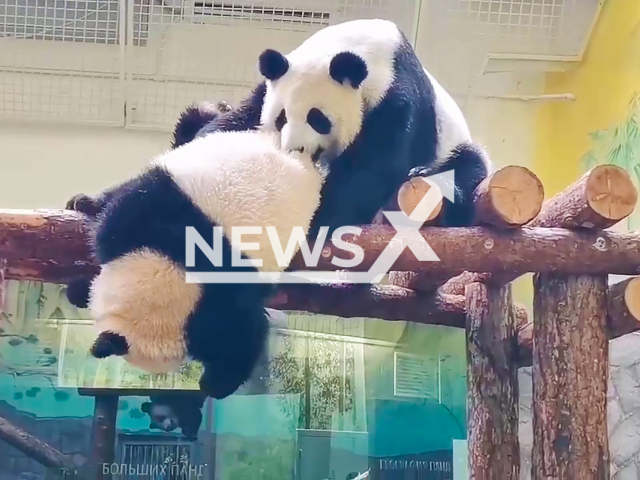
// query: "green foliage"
[[329, 391], [255, 458], [619, 145]]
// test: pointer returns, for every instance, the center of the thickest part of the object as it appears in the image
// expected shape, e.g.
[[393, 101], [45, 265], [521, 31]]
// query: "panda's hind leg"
[[470, 165]]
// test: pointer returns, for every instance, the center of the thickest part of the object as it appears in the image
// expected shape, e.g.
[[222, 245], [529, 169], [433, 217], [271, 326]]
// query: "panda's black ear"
[[348, 66], [146, 407], [109, 343], [273, 64]]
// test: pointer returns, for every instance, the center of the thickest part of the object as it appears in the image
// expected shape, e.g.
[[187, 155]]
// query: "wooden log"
[[623, 317], [31, 446], [424, 282], [3, 266], [103, 435], [510, 197], [479, 249], [494, 451], [458, 284], [413, 191], [623, 307], [570, 372], [45, 245], [385, 302], [599, 199], [52, 247]]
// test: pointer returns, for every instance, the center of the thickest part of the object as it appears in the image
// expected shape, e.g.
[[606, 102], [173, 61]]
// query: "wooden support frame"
[[570, 374], [561, 240], [492, 379]]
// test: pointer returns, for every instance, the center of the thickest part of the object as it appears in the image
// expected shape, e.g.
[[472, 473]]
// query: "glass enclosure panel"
[[334, 398]]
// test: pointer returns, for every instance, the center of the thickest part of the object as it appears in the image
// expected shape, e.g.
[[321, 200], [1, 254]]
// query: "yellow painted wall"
[[603, 84]]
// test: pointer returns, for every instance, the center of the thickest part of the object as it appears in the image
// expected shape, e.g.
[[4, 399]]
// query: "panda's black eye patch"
[[281, 120], [319, 121]]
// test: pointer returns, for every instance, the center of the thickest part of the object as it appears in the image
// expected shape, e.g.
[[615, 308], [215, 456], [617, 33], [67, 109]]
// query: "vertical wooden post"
[[3, 264], [103, 435], [570, 369], [494, 450]]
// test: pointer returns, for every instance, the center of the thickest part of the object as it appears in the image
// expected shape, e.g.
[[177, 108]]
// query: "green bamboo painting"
[[619, 145]]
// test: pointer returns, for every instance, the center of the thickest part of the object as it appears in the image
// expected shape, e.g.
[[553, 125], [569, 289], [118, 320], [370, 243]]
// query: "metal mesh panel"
[[61, 60], [185, 50], [458, 34], [143, 456], [140, 62]]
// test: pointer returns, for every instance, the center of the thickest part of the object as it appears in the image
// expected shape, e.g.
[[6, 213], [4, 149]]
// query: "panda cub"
[[169, 411], [142, 305]]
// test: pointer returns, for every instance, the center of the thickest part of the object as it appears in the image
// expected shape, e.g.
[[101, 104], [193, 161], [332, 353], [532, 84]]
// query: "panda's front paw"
[[84, 204]]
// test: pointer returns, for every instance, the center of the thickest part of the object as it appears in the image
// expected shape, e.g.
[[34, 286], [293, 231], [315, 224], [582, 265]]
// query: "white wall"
[[43, 165]]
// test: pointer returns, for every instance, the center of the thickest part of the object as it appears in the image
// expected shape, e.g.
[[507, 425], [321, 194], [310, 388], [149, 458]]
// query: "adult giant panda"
[[143, 306], [358, 91]]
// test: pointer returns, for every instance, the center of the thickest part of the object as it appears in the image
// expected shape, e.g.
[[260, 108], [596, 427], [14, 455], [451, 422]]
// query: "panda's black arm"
[[356, 201], [365, 176]]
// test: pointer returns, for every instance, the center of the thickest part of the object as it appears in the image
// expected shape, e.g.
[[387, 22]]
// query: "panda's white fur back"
[[241, 179], [452, 126]]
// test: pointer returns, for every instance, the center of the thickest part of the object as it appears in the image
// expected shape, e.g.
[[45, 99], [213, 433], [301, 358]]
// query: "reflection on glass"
[[333, 399]]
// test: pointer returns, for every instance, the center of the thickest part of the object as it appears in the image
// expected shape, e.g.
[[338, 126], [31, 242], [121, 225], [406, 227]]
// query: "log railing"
[[562, 240]]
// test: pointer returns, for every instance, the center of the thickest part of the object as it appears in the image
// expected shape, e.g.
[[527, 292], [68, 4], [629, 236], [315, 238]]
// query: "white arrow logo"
[[407, 235]]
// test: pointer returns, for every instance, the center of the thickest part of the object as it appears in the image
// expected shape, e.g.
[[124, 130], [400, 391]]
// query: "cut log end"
[[516, 194], [632, 297], [610, 192], [413, 191]]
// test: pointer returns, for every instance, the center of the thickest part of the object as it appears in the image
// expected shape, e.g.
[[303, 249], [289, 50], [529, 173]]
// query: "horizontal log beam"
[[479, 249], [52, 246], [389, 302], [384, 302], [45, 245]]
